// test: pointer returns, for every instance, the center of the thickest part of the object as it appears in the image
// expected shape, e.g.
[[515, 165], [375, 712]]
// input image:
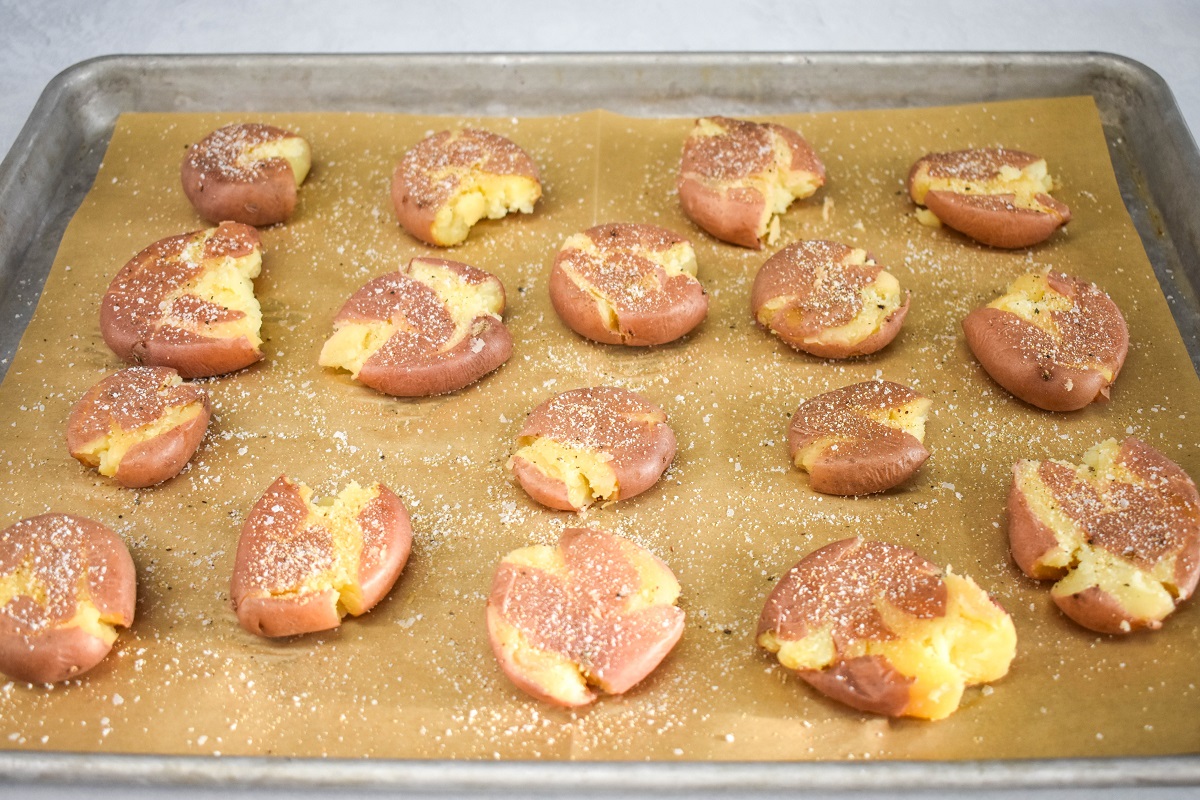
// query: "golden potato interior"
[[554, 672], [928, 218], [480, 194], [353, 343], [778, 184], [292, 149], [88, 617], [22, 582], [657, 585], [909, 417], [1034, 300], [225, 281], [1024, 184], [1145, 594], [678, 259], [338, 515], [25, 582], [105, 452], [608, 314], [973, 643], [587, 475], [465, 301], [880, 299]]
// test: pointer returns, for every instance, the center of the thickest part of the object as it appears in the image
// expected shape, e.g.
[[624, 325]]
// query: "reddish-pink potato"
[[875, 626], [584, 446], [139, 426], [451, 180], [860, 439], [736, 177], [187, 302], [301, 566], [998, 197], [246, 173], [828, 299], [628, 283], [1119, 534], [433, 327], [66, 582], [1053, 340], [596, 611]]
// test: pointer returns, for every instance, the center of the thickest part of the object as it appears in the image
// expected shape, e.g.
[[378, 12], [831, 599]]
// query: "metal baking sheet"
[[664, 86]]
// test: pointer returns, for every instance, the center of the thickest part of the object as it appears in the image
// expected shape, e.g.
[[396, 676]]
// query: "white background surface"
[[38, 39]]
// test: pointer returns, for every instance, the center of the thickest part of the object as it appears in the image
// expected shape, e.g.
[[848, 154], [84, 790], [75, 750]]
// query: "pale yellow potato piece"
[[482, 195], [292, 149], [974, 643], [587, 474], [105, 453]]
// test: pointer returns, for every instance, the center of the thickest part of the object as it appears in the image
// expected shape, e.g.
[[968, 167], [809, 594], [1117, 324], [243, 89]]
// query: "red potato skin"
[[509, 666], [997, 339], [387, 544], [684, 306], [458, 367], [1026, 361], [733, 214], [130, 398], [275, 617], [646, 637], [866, 683], [128, 311], [992, 220], [427, 373], [151, 462], [277, 518], [1097, 610], [636, 330], [634, 664], [875, 458], [792, 271], [1030, 540], [872, 344], [194, 356], [417, 198], [54, 656], [263, 195], [548, 492], [633, 476], [876, 469], [637, 466], [649, 330], [416, 218], [45, 653]]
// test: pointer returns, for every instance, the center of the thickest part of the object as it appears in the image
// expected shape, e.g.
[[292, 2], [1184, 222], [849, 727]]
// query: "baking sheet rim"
[[66, 768], [453, 777]]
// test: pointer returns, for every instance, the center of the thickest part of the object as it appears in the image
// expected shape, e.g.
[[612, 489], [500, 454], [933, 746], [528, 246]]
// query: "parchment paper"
[[415, 677]]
